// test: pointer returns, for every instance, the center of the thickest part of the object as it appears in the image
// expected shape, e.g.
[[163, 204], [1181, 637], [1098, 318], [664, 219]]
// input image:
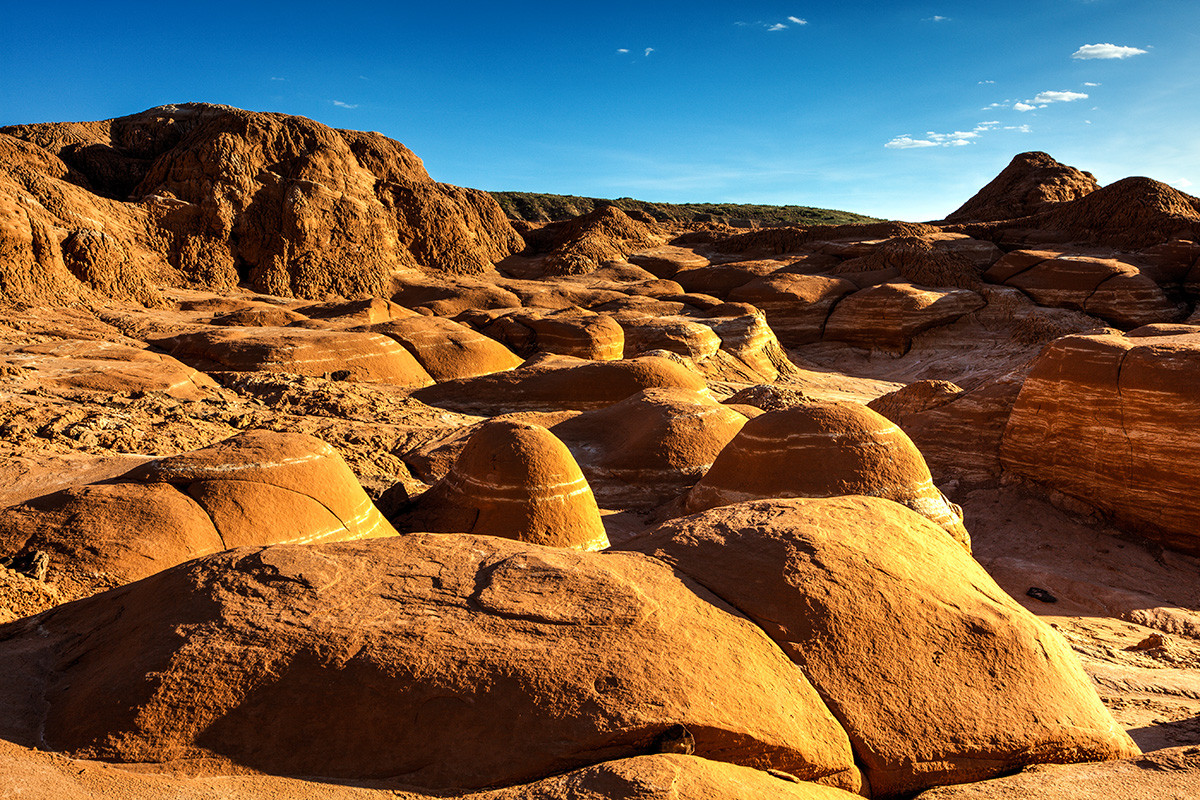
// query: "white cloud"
[[797, 21], [931, 139], [622, 49], [981, 83], [1106, 51], [1058, 97], [1181, 183], [906, 142], [279, 79], [1019, 128], [1019, 106], [778, 26], [936, 18], [1091, 84], [340, 104], [648, 51]]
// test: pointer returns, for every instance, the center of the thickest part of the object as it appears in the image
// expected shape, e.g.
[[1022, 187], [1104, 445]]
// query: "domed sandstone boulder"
[[575, 332], [687, 337], [446, 349], [99, 366], [886, 317], [651, 446], [1110, 420], [506, 663], [360, 356], [514, 480], [721, 279], [356, 312], [664, 776], [825, 449], [796, 305], [937, 674], [1031, 183], [560, 383], [258, 317], [256, 488]]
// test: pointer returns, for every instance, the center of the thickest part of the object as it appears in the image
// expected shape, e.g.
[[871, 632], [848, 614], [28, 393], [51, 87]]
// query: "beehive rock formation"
[[514, 480], [446, 349], [886, 317], [212, 196], [580, 245], [586, 658], [1109, 419], [561, 383], [824, 449], [650, 446], [938, 676], [354, 356], [260, 487], [1029, 184]]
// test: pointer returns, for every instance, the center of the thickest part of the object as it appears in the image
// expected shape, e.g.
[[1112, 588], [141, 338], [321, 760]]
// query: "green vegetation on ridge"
[[534, 207]]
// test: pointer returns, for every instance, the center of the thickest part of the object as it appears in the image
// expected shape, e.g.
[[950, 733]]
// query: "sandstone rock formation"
[[514, 480], [580, 245], [1029, 184], [447, 350], [507, 662], [938, 676], [824, 449], [355, 356], [1108, 419], [886, 317], [75, 364], [797, 306], [213, 196]]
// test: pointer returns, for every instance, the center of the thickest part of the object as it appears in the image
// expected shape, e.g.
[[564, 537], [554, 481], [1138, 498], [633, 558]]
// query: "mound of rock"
[[1110, 420], [580, 245], [651, 446], [825, 449], [211, 195], [886, 317], [561, 383], [514, 480], [915, 398], [569, 331], [446, 349], [506, 662], [938, 675], [796, 306], [1031, 183], [259, 487], [356, 356], [67, 365]]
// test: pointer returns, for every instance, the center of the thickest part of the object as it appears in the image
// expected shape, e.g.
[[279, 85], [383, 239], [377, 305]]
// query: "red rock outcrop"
[[796, 306], [513, 480], [937, 674], [561, 383], [824, 449], [1029, 184], [577, 246], [356, 356], [1110, 420], [98, 366], [651, 446], [446, 349], [260, 487], [212, 196], [886, 317], [508, 663]]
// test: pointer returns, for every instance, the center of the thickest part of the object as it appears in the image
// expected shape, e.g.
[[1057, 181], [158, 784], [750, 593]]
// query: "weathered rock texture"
[[443, 662], [579, 245], [212, 196], [448, 350], [1028, 185], [824, 449], [886, 317], [938, 675], [1110, 420], [514, 480]]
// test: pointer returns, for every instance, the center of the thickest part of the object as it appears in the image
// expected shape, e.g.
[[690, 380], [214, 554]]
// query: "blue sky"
[[900, 109]]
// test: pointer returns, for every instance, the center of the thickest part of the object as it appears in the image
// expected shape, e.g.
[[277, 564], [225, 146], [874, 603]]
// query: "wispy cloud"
[[1091, 84], [1106, 51], [279, 79], [936, 18], [931, 139], [648, 51], [1019, 128], [622, 50], [1181, 183], [341, 104], [981, 83], [797, 21], [773, 26], [1046, 98], [778, 26]]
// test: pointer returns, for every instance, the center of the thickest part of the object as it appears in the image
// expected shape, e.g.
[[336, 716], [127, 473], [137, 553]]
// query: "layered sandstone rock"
[[561, 383], [260, 487], [507, 662], [1109, 419], [651, 446], [824, 449], [353, 355], [211, 195], [915, 398], [446, 349], [514, 480], [937, 674], [886, 317], [796, 306], [65, 365], [1029, 184], [577, 246]]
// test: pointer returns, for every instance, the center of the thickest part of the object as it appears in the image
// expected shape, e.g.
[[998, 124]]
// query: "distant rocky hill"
[[534, 207]]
